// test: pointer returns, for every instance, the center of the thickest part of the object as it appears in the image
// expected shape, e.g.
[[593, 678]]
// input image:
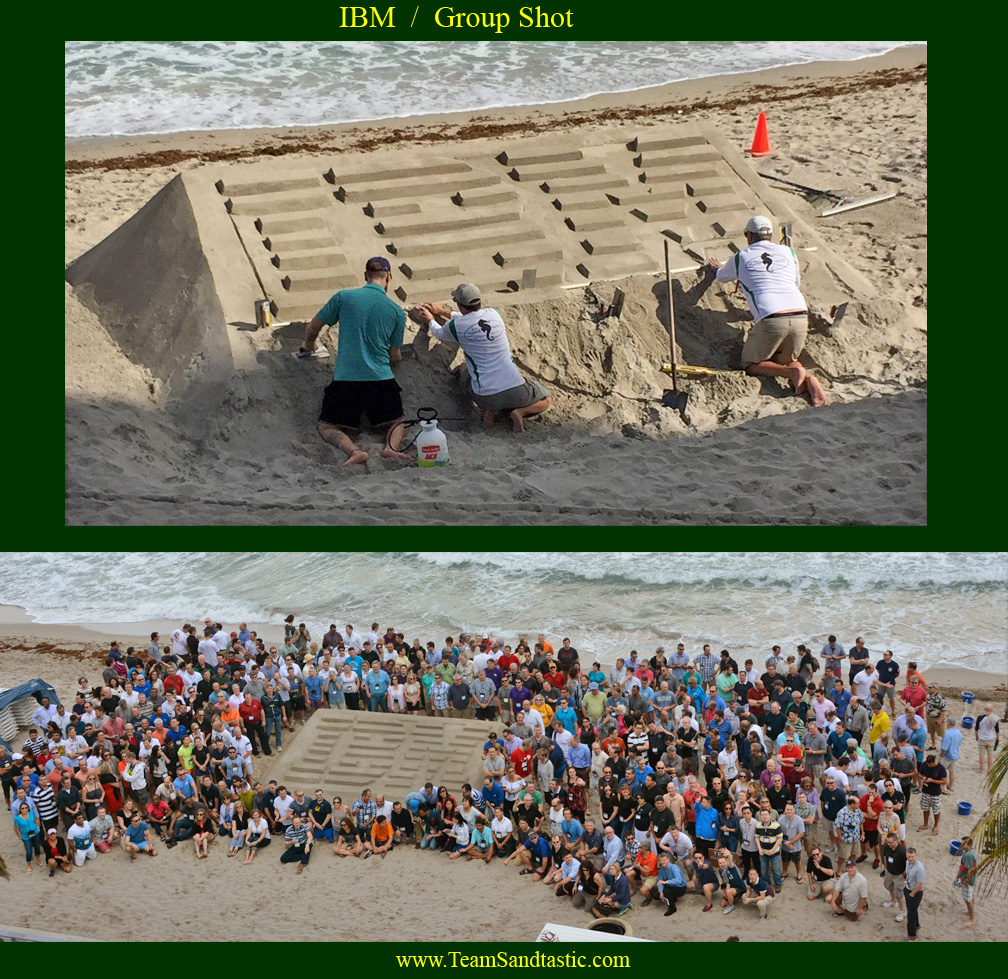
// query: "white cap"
[[758, 224]]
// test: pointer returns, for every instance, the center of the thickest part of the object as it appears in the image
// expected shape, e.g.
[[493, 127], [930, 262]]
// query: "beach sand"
[[608, 452], [466, 898]]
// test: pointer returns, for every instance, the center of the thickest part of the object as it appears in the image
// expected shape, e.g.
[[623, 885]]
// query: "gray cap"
[[759, 224], [467, 294]]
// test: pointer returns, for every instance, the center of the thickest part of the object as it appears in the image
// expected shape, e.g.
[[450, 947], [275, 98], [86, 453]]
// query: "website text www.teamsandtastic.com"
[[538, 960]]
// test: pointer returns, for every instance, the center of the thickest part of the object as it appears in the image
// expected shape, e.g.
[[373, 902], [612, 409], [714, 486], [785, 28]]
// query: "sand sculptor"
[[371, 333], [488, 375], [770, 278]]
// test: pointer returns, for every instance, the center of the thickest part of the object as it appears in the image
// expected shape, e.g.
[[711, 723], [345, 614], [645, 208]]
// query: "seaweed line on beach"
[[482, 127]]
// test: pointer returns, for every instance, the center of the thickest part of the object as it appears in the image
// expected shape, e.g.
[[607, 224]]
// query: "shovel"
[[675, 398]]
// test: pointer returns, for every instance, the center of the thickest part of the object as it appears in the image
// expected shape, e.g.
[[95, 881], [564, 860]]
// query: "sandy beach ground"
[[607, 453], [466, 897]]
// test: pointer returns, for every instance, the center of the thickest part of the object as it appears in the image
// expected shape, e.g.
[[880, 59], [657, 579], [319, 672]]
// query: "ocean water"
[[129, 87], [935, 608]]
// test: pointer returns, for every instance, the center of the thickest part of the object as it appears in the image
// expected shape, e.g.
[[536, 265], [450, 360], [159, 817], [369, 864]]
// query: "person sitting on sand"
[[770, 278], [370, 335], [489, 376]]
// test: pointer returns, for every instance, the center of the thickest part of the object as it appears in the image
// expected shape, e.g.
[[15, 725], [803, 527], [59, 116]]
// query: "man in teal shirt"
[[371, 329]]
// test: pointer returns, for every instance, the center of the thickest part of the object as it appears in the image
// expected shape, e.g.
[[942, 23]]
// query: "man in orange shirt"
[[381, 837], [644, 869], [230, 716], [547, 647]]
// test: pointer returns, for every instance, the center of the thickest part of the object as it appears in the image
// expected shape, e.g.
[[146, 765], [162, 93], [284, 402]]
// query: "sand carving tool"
[[842, 202], [675, 398]]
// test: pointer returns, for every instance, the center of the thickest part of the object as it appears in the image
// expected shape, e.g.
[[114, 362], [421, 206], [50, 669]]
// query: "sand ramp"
[[342, 752]]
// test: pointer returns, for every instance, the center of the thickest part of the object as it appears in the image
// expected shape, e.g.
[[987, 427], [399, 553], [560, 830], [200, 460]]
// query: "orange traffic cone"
[[761, 140]]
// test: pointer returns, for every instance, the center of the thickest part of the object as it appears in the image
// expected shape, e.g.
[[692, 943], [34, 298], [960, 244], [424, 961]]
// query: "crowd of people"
[[661, 777]]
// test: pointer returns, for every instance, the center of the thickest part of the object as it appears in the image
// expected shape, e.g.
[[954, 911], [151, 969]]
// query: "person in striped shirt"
[[297, 844]]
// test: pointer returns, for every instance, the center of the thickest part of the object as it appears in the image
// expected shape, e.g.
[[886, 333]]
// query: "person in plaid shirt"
[[849, 826], [364, 811], [934, 710]]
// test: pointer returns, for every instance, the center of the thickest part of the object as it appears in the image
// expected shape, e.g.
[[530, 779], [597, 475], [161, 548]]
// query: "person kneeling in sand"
[[770, 278], [489, 376], [370, 334]]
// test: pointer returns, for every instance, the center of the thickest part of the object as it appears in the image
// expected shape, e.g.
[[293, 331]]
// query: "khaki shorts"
[[816, 886], [780, 339], [934, 725], [986, 748]]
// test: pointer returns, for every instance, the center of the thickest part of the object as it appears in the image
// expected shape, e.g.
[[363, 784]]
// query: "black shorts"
[[344, 402], [788, 857]]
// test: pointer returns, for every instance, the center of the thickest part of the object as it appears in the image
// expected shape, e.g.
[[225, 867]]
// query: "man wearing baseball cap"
[[770, 279], [371, 329], [489, 376]]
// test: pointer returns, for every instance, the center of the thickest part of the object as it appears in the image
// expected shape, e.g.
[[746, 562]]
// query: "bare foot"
[[796, 375], [920, 829], [356, 458], [396, 454], [968, 924], [814, 391], [517, 421], [488, 418]]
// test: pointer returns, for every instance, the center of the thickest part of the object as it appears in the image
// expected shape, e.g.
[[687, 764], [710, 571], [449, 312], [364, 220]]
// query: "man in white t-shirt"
[[489, 376], [770, 278], [863, 682], [79, 838], [842, 781], [209, 650], [178, 638], [373, 636], [354, 639], [220, 637]]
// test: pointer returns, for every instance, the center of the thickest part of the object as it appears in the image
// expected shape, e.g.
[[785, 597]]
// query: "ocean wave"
[[130, 88]]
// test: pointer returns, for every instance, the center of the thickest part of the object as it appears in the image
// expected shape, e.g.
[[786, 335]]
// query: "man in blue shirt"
[[186, 789], [536, 855], [570, 827], [566, 716], [376, 682], [950, 747], [616, 898], [579, 757], [671, 884], [371, 329]]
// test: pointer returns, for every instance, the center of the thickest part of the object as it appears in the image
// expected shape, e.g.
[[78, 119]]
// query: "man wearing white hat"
[[770, 278], [490, 377]]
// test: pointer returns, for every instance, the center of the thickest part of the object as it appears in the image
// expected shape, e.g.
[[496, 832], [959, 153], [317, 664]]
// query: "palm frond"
[[989, 837]]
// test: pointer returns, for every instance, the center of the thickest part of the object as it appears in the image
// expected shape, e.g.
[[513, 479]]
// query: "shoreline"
[[694, 94], [16, 626]]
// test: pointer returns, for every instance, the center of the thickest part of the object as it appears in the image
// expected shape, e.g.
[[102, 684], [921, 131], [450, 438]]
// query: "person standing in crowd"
[[913, 892]]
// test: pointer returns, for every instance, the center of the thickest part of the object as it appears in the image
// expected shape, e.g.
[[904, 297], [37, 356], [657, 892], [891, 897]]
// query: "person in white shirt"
[[489, 375], [79, 838], [842, 781], [373, 636], [42, 715], [354, 638], [208, 648], [770, 278], [535, 721], [863, 682], [189, 680], [220, 638], [178, 638]]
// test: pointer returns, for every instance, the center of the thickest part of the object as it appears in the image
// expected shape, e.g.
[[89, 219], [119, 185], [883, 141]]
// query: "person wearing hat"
[[770, 278], [489, 376], [850, 893], [371, 332]]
